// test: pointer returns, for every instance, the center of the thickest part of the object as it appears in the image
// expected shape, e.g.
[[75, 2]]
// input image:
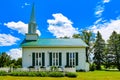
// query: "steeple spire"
[[32, 17], [32, 27], [32, 24]]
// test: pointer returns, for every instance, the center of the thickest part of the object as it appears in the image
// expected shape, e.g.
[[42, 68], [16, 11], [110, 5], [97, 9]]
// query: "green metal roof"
[[54, 43]]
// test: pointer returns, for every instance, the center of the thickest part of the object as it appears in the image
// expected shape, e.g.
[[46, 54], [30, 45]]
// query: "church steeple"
[[32, 17], [32, 24]]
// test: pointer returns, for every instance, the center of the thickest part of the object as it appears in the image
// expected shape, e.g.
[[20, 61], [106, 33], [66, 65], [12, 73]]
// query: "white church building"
[[40, 52]]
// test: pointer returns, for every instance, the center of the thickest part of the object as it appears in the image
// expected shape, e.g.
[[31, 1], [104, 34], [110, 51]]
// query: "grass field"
[[96, 75]]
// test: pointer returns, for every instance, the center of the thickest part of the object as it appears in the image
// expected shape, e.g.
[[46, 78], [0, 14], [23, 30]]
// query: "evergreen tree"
[[112, 43], [99, 50], [114, 47]]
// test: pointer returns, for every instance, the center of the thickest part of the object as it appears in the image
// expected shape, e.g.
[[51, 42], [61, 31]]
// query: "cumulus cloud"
[[107, 28], [38, 32], [19, 26], [61, 26], [15, 53], [8, 40]]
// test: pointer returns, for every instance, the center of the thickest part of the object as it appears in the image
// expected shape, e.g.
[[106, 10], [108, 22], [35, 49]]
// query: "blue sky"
[[55, 18]]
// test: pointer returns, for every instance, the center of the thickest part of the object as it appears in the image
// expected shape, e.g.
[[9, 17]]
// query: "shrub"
[[32, 74], [56, 74], [3, 73], [42, 74], [22, 73], [54, 68], [71, 74]]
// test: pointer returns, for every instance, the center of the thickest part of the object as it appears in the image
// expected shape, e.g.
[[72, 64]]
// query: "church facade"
[[40, 52]]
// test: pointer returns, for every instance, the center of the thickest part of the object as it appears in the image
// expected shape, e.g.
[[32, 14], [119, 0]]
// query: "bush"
[[3, 73], [32, 74], [42, 74], [56, 74], [54, 68], [22, 73], [71, 74]]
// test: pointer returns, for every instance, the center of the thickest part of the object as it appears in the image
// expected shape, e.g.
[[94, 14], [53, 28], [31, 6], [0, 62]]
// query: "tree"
[[112, 43], [16, 63], [114, 47], [76, 36], [98, 50], [4, 59], [87, 37], [19, 62]]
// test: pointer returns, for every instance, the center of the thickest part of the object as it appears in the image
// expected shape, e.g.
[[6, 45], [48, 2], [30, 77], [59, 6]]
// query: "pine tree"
[[114, 47], [99, 47]]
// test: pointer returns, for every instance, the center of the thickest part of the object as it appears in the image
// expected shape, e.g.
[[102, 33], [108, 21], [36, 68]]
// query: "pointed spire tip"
[[32, 18]]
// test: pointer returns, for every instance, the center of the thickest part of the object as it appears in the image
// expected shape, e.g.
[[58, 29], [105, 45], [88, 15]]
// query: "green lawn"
[[96, 75]]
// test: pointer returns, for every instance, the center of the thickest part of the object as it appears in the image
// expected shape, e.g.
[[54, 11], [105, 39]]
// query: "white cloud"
[[15, 53], [38, 32], [61, 26], [107, 28], [19, 26], [99, 11], [106, 1], [97, 21], [104, 27], [100, 8], [8, 40]]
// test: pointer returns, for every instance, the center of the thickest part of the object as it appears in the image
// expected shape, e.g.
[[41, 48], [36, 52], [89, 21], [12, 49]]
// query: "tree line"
[[6, 61], [106, 53]]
